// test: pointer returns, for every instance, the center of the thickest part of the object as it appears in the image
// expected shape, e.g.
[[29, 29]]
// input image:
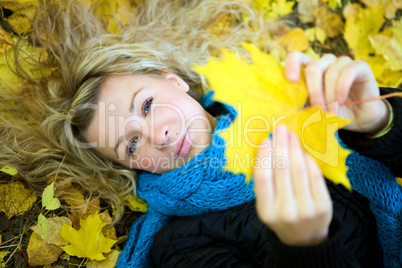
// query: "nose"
[[161, 137]]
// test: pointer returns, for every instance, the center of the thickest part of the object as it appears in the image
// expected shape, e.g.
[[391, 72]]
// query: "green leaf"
[[9, 170], [48, 201], [54, 204], [43, 226]]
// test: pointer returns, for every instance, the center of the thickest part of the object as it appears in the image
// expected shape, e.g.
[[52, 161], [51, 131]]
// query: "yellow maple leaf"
[[15, 198], [295, 39], [274, 9], [316, 33], [399, 181], [20, 23], [135, 204], [88, 241], [390, 47], [360, 23], [27, 61], [16, 5], [282, 7], [333, 4], [114, 14], [263, 98], [2, 255]]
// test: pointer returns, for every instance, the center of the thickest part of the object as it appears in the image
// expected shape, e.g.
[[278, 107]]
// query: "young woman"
[[123, 113]]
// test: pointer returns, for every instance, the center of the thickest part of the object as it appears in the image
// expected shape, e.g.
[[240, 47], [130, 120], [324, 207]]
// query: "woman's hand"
[[333, 81], [292, 198]]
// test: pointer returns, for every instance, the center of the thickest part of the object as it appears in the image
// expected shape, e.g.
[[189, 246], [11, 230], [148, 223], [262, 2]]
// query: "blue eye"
[[132, 145], [147, 106]]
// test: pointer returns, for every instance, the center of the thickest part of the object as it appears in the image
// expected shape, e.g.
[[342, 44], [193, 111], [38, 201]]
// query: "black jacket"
[[236, 237]]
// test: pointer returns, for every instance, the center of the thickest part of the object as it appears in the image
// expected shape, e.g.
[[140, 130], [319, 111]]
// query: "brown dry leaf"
[[40, 253], [15, 198], [110, 262], [295, 39], [79, 208], [108, 231], [73, 197], [330, 22], [65, 256], [351, 11], [60, 186], [306, 10], [55, 225], [5, 40]]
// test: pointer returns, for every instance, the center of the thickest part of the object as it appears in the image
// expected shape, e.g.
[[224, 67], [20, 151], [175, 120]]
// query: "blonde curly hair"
[[40, 124]]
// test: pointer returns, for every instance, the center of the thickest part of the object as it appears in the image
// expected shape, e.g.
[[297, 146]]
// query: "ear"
[[176, 79]]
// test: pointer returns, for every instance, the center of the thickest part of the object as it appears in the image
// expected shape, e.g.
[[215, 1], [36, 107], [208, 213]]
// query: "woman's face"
[[149, 123]]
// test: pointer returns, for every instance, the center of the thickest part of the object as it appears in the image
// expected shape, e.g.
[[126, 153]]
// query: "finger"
[[281, 169], [293, 63], [300, 176], [355, 72], [263, 181], [319, 188], [331, 79], [314, 79]]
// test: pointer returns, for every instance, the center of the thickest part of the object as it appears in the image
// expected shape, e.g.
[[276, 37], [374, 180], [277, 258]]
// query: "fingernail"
[[281, 129]]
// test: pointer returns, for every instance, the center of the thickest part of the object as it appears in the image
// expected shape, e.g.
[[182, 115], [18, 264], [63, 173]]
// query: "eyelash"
[[145, 110], [147, 103]]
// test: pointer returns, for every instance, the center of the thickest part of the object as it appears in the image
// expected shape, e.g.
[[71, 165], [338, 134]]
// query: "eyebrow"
[[131, 110], [117, 145]]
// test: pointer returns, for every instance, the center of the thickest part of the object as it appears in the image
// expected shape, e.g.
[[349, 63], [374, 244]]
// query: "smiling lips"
[[184, 145]]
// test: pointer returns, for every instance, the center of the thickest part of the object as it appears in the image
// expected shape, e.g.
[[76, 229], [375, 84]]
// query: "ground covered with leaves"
[[59, 228]]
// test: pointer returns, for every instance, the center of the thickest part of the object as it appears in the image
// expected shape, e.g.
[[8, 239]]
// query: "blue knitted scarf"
[[200, 187], [197, 187], [374, 180]]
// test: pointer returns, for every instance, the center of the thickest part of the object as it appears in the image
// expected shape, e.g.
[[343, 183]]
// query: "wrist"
[[385, 125]]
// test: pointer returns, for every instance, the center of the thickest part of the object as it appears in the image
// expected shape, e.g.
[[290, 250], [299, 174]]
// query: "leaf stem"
[[386, 96]]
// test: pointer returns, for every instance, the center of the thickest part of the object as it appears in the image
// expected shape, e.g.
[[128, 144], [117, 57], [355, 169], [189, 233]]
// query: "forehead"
[[115, 85]]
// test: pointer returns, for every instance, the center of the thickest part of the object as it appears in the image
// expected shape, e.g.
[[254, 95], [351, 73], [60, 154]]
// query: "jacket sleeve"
[[352, 240], [231, 238], [330, 253], [236, 238], [387, 148]]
